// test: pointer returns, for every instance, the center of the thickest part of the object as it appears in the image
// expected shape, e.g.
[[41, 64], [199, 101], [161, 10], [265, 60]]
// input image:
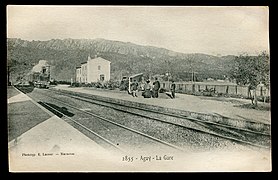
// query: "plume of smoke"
[[38, 67]]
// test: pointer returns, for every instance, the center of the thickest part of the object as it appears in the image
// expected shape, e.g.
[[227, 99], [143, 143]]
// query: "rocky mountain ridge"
[[126, 58]]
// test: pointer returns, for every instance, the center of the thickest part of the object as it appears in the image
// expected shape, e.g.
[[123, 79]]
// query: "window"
[[101, 77], [98, 67]]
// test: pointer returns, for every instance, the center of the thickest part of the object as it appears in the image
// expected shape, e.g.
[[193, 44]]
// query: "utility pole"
[[192, 77], [168, 73], [190, 59], [149, 66]]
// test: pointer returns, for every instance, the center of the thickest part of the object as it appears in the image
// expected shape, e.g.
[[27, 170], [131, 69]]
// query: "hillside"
[[126, 58]]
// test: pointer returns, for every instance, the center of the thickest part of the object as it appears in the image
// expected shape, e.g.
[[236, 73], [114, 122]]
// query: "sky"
[[187, 29]]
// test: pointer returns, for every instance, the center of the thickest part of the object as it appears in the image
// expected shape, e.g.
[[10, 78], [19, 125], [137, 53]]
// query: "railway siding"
[[238, 123]]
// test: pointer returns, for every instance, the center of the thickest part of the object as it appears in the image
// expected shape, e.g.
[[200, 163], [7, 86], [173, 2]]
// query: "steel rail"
[[79, 124], [117, 124], [193, 129], [167, 114]]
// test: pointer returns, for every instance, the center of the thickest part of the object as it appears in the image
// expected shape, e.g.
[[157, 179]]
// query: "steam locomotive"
[[41, 79]]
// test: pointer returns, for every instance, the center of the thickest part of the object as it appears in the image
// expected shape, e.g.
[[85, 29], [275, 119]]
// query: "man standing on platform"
[[156, 88], [173, 89], [147, 90], [134, 88]]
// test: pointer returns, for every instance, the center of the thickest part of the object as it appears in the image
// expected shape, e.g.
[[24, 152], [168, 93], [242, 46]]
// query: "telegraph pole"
[[192, 78]]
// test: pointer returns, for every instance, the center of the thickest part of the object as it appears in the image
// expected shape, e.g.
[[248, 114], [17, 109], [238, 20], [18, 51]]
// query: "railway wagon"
[[137, 77], [127, 81]]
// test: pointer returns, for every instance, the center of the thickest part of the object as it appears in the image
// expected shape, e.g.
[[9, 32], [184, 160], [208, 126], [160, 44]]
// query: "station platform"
[[218, 106], [41, 141]]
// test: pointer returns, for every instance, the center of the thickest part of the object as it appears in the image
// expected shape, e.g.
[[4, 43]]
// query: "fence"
[[216, 88]]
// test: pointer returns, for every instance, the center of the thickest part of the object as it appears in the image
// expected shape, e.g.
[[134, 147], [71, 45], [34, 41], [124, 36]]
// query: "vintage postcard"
[[138, 89]]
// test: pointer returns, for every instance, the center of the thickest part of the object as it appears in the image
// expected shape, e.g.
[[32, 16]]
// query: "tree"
[[251, 71]]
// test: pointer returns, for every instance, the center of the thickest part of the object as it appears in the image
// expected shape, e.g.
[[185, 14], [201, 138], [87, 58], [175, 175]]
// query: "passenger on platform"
[[156, 87], [173, 89], [147, 93], [142, 84], [134, 88], [251, 92]]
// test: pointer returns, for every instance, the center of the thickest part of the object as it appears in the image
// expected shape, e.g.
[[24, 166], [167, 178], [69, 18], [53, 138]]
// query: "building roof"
[[135, 75], [100, 58], [89, 59]]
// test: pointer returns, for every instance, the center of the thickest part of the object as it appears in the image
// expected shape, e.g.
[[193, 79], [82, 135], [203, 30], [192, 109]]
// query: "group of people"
[[150, 90]]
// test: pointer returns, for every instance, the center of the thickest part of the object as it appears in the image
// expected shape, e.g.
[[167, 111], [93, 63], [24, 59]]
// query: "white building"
[[94, 70], [78, 74], [84, 72]]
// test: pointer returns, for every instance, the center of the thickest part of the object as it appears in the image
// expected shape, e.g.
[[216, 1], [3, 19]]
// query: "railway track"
[[110, 104], [206, 128], [111, 143], [74, 122], [237, 135]]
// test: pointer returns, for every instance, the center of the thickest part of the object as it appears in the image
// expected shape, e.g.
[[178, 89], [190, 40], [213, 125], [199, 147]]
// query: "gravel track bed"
[[262, 140], [210, 128], [123, 138], [179, 136]]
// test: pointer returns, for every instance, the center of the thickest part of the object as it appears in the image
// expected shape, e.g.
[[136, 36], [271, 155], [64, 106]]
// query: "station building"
[[93, 70]]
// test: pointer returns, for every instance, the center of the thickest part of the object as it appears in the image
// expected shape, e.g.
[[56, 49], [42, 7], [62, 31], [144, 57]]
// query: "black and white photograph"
[[111, 88]]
